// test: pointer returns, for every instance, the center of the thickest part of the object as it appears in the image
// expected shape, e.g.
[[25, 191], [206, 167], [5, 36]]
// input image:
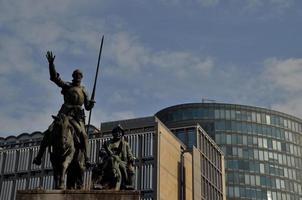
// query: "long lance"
[[95, 80]]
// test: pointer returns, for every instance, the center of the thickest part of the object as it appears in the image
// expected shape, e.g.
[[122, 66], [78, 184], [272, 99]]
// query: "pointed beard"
[[76, 82]]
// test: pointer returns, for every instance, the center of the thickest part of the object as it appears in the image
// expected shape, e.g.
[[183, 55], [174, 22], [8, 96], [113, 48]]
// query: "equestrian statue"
[[66, 138]]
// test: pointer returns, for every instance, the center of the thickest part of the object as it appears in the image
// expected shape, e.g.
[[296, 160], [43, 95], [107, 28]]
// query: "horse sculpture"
[[65, 154]]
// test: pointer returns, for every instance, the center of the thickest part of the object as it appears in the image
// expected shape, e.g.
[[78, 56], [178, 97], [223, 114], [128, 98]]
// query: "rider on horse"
[[75, 96]]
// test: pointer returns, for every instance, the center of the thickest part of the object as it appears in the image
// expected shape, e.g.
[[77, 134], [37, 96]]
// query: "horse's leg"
[[67, 167], [61, 175], [80, 168], [60, 181], [63, 169], [80, 179], [55, 172], [55, 178], [70, 177]]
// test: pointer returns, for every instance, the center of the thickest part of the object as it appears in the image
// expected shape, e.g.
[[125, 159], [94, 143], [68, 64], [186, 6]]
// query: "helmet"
[[75, 72]]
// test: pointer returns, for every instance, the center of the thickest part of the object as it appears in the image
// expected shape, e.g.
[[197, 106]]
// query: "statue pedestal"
[[77, 195]]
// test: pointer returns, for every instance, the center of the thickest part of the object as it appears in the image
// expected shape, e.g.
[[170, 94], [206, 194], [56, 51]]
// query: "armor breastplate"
[[74, 96], [115, 148]]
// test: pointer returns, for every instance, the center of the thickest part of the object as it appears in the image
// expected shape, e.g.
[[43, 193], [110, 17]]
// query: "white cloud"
[[25, 120], [31, 9], [132, 58], [169, 2], [104, 115], [125, 50], [182, 64], [207, 3], [291, 106], [15, 56], [121, 97], [28, 29], [271, 7], [282, 3], [285, 77], [135, 76], [285, 74], [123, 115], [269, 3], [254, 3], [246, 5], [204, 3]]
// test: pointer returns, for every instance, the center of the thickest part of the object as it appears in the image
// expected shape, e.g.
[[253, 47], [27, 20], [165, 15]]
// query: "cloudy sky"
[[156, 54]]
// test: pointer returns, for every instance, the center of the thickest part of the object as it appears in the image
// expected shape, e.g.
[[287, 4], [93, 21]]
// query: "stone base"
[[77, 195]]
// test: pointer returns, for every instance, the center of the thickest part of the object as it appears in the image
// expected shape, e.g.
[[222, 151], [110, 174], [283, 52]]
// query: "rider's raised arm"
[[54, 76]]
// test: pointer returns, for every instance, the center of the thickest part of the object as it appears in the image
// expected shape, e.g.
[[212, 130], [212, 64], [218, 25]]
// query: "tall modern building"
[[262, 147]]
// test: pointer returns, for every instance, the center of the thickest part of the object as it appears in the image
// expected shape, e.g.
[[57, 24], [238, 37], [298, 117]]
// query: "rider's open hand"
[[50, 57]]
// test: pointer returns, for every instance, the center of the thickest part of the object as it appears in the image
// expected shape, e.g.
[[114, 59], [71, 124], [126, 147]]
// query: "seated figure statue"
[[115, 170]]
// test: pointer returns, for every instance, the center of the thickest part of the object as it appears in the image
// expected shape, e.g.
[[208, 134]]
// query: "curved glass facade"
[[263, 148]]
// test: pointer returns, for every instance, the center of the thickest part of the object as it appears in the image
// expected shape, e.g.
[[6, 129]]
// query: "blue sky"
[[156, 54]]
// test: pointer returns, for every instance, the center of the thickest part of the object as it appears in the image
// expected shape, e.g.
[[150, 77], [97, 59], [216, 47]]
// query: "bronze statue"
[[115, 170], [66, 137]]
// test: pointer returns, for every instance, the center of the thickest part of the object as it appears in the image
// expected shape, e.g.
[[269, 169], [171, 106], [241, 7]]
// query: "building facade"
[[262, 147], [165, 167]]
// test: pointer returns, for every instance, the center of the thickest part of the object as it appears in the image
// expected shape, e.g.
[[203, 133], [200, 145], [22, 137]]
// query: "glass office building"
[[262, 147]]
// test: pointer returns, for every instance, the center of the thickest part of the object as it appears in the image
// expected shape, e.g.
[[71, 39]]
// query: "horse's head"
[[61, 120]]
